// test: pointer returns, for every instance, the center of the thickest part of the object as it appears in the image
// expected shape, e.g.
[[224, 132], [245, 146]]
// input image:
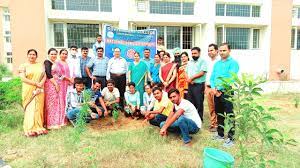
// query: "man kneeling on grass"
[[111, 96], [161, 109], [75, 100], [185, 120], [97, 104]]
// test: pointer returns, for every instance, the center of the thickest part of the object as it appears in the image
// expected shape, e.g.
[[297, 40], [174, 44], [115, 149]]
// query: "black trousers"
[[120, 83], [196, 96], [223, 106], [87, 81], [103, 80]]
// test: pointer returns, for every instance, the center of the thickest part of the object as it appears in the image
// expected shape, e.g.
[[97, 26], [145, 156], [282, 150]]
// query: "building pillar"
[[28, 30], [280, 49]]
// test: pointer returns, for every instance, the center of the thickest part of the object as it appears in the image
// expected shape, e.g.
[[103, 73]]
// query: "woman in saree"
[[182, 85], [154, 70], [65, 79], [168, 73], [33, 77], [137, 73], [54, 103]]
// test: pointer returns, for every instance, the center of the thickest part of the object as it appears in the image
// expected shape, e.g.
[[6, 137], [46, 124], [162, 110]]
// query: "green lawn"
[[129, 143]]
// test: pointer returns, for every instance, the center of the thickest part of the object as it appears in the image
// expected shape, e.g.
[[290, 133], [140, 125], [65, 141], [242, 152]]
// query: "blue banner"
[[129, 41]]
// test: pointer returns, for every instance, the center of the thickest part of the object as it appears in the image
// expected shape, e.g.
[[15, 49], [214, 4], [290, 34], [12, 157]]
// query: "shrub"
[[10, 92], [4, 71]]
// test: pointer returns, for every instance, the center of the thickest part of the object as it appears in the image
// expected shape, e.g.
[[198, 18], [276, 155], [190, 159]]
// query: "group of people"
[[169, 93]]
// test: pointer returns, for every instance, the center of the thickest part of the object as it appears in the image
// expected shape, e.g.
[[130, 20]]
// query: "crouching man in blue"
[[184, 120], [97, 104], [75, 100]]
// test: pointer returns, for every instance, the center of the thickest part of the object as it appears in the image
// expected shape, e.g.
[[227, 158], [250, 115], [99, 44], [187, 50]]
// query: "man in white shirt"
[[74, 63], [213, 58], [116, 70], [111, 95], [74, 66], [184, 119]]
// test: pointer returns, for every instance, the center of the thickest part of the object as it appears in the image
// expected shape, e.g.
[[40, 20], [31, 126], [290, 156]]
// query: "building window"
[[7, 18], [176, 36], [105, 6], [219, 35], [58, 4], [298, 39], [256, 38], [58, 29], [141, 27], [82, 5], [255, 11], [173, 37], [9, 60], [220, 9], [188, 8], [170, 7], [187, 39], [9, 57], [239, 38], [237, 10], [7, 33], [82, 35], [293, 38], [7, 39], [160, 31]]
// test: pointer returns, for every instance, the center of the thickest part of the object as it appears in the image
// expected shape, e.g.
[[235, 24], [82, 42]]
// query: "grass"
[[129, 143]]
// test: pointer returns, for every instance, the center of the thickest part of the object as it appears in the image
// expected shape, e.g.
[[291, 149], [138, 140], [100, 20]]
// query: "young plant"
[[80, 125], [252, 120], [115, 111]]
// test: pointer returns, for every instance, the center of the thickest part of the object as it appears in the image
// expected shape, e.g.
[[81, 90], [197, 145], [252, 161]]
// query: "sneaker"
[[218, 137], [228, 143]]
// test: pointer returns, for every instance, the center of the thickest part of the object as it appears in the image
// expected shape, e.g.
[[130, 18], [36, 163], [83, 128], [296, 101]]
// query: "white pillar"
[[122, 8]]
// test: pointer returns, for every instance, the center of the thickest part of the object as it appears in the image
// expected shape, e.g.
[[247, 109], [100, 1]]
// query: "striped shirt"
[[99, 66]]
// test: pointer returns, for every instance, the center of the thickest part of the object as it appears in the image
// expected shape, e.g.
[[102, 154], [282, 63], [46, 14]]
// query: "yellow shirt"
[[166, 103]]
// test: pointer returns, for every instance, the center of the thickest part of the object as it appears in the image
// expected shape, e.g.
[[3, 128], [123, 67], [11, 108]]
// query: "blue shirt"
[[95, 95], [223, 69], [132, 99], [154, 71], [194, 67], [99, 66], [148, 62], [83, 63]]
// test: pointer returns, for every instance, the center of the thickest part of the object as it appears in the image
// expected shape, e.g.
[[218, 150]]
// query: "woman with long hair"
[[33, 78], [54, 101], [182, 84], [168, 73]]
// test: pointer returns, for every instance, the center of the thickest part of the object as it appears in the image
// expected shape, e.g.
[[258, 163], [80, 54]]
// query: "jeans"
[[73, 114], [156, 121], [184, 126]]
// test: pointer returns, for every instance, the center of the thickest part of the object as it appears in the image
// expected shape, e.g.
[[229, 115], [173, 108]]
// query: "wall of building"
[[280, 57], [28, 30]]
